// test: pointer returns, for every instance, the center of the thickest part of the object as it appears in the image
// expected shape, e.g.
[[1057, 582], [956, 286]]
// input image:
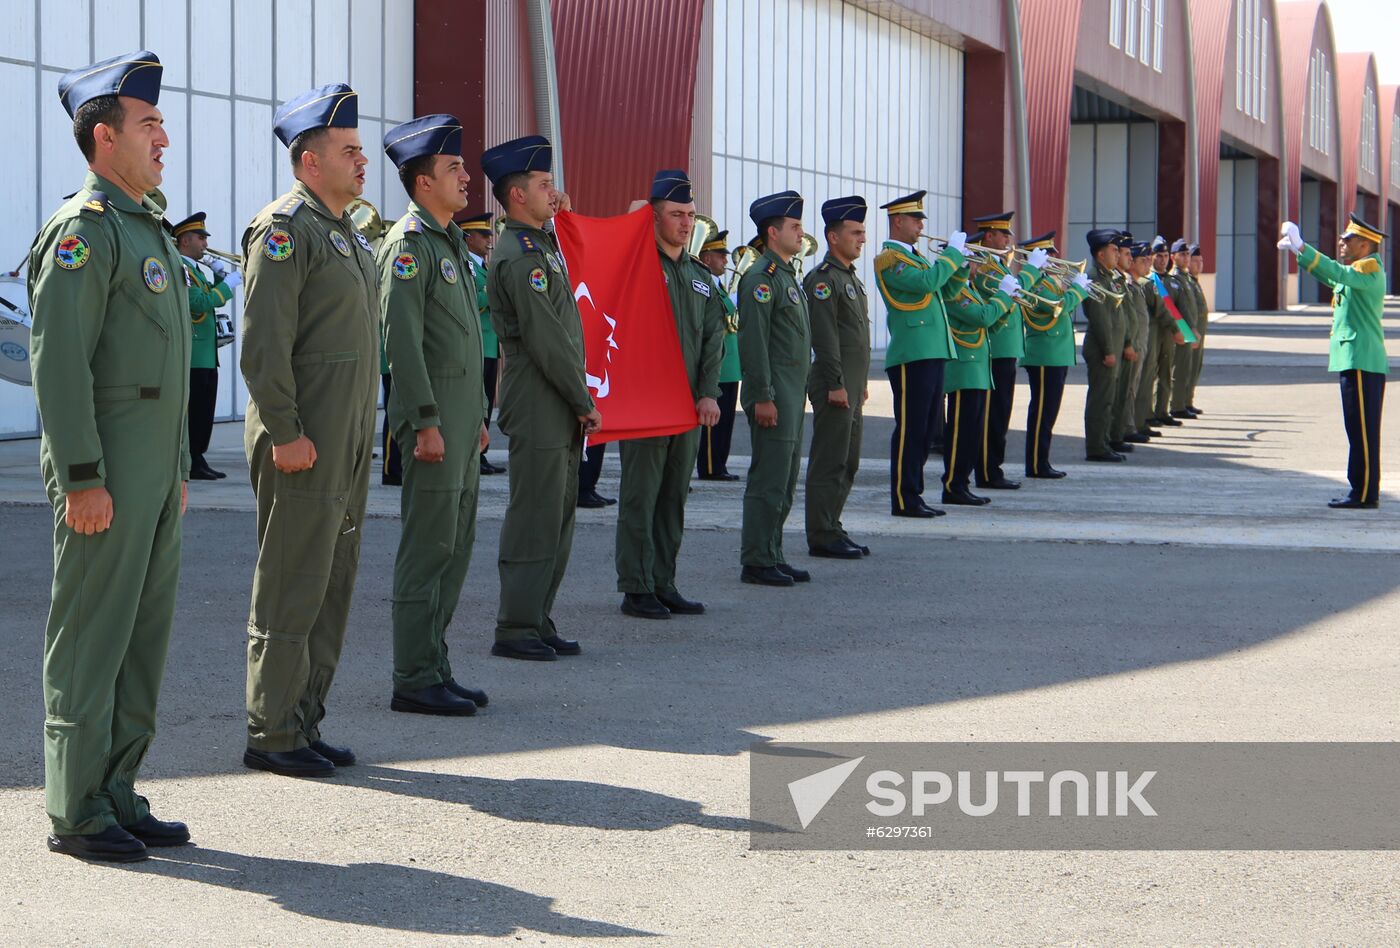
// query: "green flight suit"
[[1198, 355], [1183, 359], [1137, 334], [432, 334], [1161, 347], [310, 361], [1105, 336], [775, 350], [110, 350], [840, 319], [656, 471], [204, 297], [543, 395]]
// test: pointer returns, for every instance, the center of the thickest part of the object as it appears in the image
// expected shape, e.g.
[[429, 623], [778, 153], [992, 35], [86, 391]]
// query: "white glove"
[[1289, 238], [218, 268], [1010, 286], [1081, 280], [1037, 258], [232, 279], [958, 241]]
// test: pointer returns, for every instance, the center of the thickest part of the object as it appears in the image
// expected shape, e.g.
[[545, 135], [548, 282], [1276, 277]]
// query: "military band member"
[[968, 378], [838, 385], [1006, 339], [919, 345], [206, 296], [310, 356], [1103, 345], [1195, 264], [110, 352], [775, 346], [432, 334], [656, 471], [480, 236], [1135, 260], [1166, 355], [546, 408], [1049, 322], [712, 460], [1179, 283], [1357, 346]]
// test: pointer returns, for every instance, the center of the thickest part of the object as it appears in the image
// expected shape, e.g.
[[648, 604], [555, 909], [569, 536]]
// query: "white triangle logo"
[[812, 793]]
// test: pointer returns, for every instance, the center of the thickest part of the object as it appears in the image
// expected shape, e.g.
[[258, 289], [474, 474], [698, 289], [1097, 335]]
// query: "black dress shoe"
[[561, 645], [202, 474], [919, 510], [963, 498], [680, 605], [389, 480], [1122, 447], [1048, 473], [590, 500], [765, 576], [798, 575], [487, 468], [434, 699], [1351, 503], [1183, 413], [836, 550], [1192, 413], [864, 550], [154, 832], [1194, 409], [720, 476], [302, 762], [1110, 456], [1000, 483], [644, 606], [726, 476], [475, 695], [1150, 432], [1168, 421], [113, 844], [530, 650], [1136, 437], [340, 756]]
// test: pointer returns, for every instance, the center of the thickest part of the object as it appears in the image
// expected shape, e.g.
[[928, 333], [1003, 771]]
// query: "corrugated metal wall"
[[1050, 29], [509, 110], [1356, 72], [1213, 30]]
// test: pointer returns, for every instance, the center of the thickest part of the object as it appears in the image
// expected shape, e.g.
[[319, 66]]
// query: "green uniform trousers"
[[308, 555], [104, 655], [1165, 355], [831, 467], [1098, 404], [768, 491], [651, 510], [1198, 358], [536, 535], [438, 511], [1142, 405], [1183, 362], [1125, 401]]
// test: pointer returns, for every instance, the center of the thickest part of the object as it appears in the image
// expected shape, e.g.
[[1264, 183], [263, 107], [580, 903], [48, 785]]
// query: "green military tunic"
[[970, 319], [490, 344], [1183, 359], [775, 344], [729, 370], [1137, 333], [1358, 299], [1107, 332], [1050, 327], [543, 395], [432, 335], [204, 297], [916, 318], [840, 318], [1006, 337], [310, 361], [110, 350], [656, 471]]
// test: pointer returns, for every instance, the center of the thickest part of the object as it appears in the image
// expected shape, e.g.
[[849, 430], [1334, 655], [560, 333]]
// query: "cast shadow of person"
[[382, 895]]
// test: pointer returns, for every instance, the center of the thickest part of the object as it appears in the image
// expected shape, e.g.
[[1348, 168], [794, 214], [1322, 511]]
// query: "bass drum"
[[14, 330]]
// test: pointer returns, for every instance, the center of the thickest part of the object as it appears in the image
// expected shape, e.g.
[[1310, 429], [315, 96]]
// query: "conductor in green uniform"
[[656, 471], [712, 460], [479, 236], [1103, 344], [546, 408], [775, 345], [839, 385], [437, 408], [310, 360], [1356, 351], [110, 356]]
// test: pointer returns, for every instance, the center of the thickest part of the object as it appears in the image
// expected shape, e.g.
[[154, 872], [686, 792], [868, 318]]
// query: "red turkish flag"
[[633, 359]]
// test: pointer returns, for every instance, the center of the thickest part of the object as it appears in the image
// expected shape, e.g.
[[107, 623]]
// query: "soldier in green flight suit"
[[775, 344], [1049, 322], [110, 352], [1103, 344], [546, 408], [1357, 345], [310, 359], [968, 377], [919, 345], [192, 240], [1195, 264], [1184, 359], [839, 381], [656, 470], [479, 236], [1162, 337], [1006, 341], [712, 460], [1122, 433], [437, 410], [1165, 354]]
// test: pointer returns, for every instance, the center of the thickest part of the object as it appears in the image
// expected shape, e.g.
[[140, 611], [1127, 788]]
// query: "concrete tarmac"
[[1201, 591]]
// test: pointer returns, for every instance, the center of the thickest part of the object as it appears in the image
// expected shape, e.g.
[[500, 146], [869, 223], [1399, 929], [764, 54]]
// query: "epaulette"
[[527, 243], [771, 269], [889, 257], [1368, 265], [826, 265], [289, 207], [412, 225], [96, 202]]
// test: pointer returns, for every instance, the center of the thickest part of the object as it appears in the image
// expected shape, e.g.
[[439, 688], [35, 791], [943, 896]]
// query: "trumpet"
[[743, 258], [234, 258], [809, 249], [1102, 294], [976, 252], [367, 220], [499, 226]]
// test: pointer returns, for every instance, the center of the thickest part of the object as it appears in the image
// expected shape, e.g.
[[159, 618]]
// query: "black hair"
[[411, 169], [306, 141], [768, 222], [501, 189], [102, 110]]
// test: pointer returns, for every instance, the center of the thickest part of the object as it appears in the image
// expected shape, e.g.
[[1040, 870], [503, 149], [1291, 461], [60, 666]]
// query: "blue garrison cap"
[[782, 204], [1181, 246], [1159, 244], [673, 185], [332, 106], [531, 153], [439, 134], [1100, 238], [1124, 239], [1141, 249], [132, 74], [844, 209]]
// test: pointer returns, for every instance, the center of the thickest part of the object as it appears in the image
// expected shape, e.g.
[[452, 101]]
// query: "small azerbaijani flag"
[[1182, 326]]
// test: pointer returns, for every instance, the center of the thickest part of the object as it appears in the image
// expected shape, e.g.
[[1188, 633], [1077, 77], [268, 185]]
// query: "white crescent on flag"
[[600, 386]]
